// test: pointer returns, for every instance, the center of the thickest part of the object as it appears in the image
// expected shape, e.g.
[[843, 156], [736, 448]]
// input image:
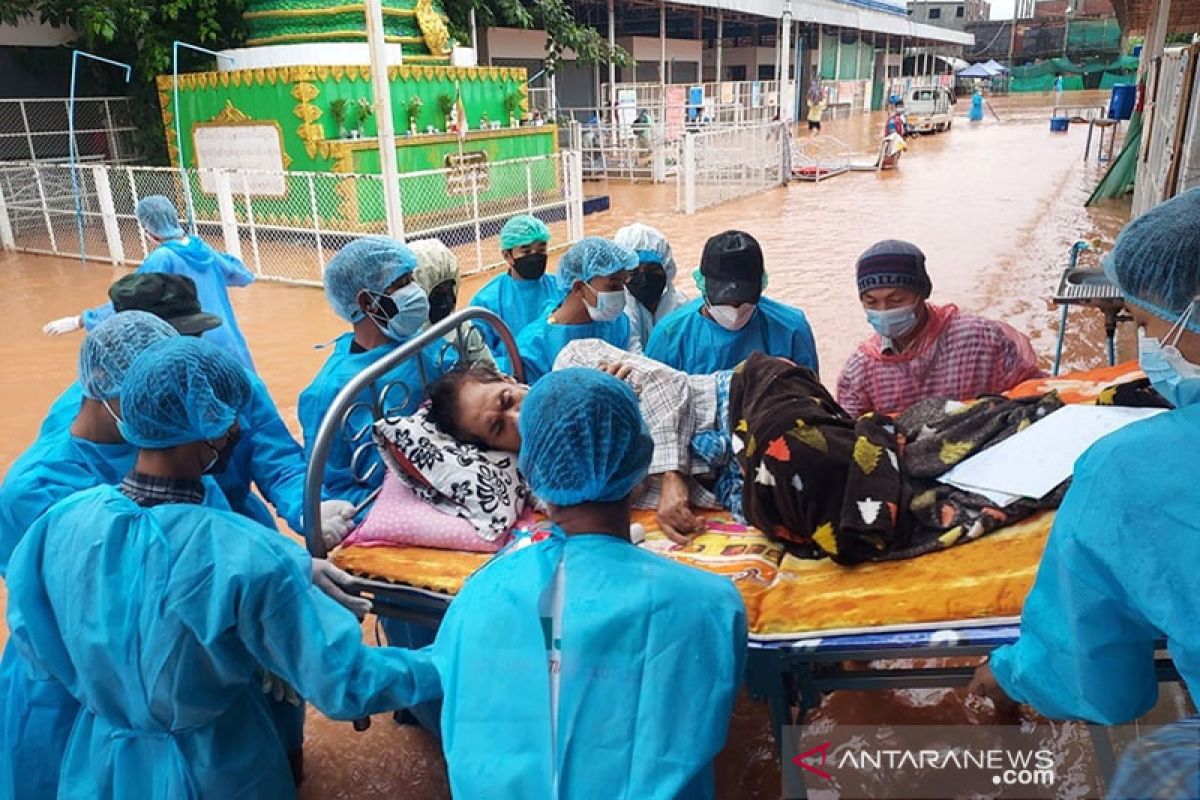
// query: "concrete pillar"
[[837, 60], [720, 42], [662, 44]]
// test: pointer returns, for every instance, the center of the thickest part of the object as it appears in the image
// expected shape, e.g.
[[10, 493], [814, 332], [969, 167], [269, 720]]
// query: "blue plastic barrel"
[[1059, 124], [1120, 104]]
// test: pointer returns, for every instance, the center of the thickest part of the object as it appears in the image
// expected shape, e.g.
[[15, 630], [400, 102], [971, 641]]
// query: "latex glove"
[[58, 327], [279, 689], [330, 580], [337, 518]]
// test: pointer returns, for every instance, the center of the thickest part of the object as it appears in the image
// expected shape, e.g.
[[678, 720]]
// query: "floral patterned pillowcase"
[[480, 486]]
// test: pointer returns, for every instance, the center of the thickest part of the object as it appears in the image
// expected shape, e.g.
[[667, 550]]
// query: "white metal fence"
[[37, 129], [286, 225], [722, 165]]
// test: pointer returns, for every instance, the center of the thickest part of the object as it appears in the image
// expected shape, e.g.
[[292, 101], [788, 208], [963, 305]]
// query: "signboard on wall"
[[676, 102], [695, 103], [468, 172], [626, 106], [256, 147]]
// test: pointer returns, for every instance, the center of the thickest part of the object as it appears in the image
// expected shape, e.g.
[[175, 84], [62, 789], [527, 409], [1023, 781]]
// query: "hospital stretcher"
[[807, 619]]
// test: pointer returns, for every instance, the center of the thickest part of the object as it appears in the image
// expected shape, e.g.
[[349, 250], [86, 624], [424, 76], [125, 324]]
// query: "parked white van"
[[928, 109]]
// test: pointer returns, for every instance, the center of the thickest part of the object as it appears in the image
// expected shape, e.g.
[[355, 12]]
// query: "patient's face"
[[488, 413]]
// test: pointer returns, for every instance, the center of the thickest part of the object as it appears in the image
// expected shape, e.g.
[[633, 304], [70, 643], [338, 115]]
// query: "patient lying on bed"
[[685, 415], [795, 465]]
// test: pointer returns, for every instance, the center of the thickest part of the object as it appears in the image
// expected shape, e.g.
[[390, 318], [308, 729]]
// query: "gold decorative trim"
[[302, 38], [309, 131], [168, 118], [230, 115], [414, 67], [433, 28], [324, 12]]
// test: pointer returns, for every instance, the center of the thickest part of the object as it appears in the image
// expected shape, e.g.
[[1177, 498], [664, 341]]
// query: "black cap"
[[732, 266], [169, 297]]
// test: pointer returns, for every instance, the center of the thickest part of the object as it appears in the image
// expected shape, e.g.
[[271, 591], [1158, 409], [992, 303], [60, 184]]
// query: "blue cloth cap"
[[158, 216], [1156, 258], [583, 439], [522, 230], [111, 347], [594, 257], [372, 263], [181, 390]]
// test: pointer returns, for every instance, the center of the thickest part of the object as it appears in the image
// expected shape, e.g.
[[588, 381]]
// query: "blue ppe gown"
[[354, 469], [542, 341], [159, 621], [266, 455], [517, 302], [213, 274], [1118, 573], [692, 343], [36, 714], [651, 659]]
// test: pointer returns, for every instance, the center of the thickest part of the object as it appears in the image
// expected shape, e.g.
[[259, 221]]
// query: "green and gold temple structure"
[[298, 97]]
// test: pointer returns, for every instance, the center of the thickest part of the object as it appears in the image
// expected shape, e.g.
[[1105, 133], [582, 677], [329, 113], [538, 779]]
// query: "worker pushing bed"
[[800, 626]]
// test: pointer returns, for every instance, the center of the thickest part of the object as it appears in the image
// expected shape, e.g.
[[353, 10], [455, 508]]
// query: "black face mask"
[[531, 266], [442, 301], [221, 462], [647, 286]]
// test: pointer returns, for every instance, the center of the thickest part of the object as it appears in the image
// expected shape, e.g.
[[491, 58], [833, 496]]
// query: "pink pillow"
[[399, 517]]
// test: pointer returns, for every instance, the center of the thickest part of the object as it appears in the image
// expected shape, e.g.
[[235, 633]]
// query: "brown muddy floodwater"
[[995, 206]]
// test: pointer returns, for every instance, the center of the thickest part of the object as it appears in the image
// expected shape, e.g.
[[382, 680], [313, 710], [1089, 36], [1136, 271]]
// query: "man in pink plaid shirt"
[[922, 350]]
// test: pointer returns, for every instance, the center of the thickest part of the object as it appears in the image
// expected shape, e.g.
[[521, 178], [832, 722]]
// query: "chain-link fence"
[[722, 165], [38, 130], [286, 225]]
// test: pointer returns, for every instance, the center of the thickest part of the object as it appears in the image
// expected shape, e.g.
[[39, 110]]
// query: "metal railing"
[[723, 165], [287, 225], [36, 130]]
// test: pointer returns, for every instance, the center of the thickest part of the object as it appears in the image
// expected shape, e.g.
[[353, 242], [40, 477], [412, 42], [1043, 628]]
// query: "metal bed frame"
[[418, 606], [791, 675]]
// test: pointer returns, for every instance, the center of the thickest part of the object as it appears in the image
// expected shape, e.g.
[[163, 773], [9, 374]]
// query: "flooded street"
[[995, 206]]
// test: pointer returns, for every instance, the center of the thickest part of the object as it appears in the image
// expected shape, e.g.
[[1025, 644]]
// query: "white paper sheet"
[[1031, 463]]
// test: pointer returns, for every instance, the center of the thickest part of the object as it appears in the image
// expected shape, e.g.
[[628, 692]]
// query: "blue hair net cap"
[[1156, 259], [158, 216], [583, 439], [111, 348], [523, 230], [179, 391], [372, 263], [594, 257]]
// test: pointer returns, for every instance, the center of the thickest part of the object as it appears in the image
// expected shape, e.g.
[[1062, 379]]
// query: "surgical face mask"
[[442, 301], [412, 310], [530, 267], [609, 305], [1171, 375], [647, 286], [221, 457], [893, 322], [731, 318]]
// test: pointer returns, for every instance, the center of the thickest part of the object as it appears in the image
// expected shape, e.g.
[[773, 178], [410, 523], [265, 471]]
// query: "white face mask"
[[609, 305], [731, 318]]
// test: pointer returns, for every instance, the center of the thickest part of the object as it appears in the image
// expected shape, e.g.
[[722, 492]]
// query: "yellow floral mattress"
[[787, 597]]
